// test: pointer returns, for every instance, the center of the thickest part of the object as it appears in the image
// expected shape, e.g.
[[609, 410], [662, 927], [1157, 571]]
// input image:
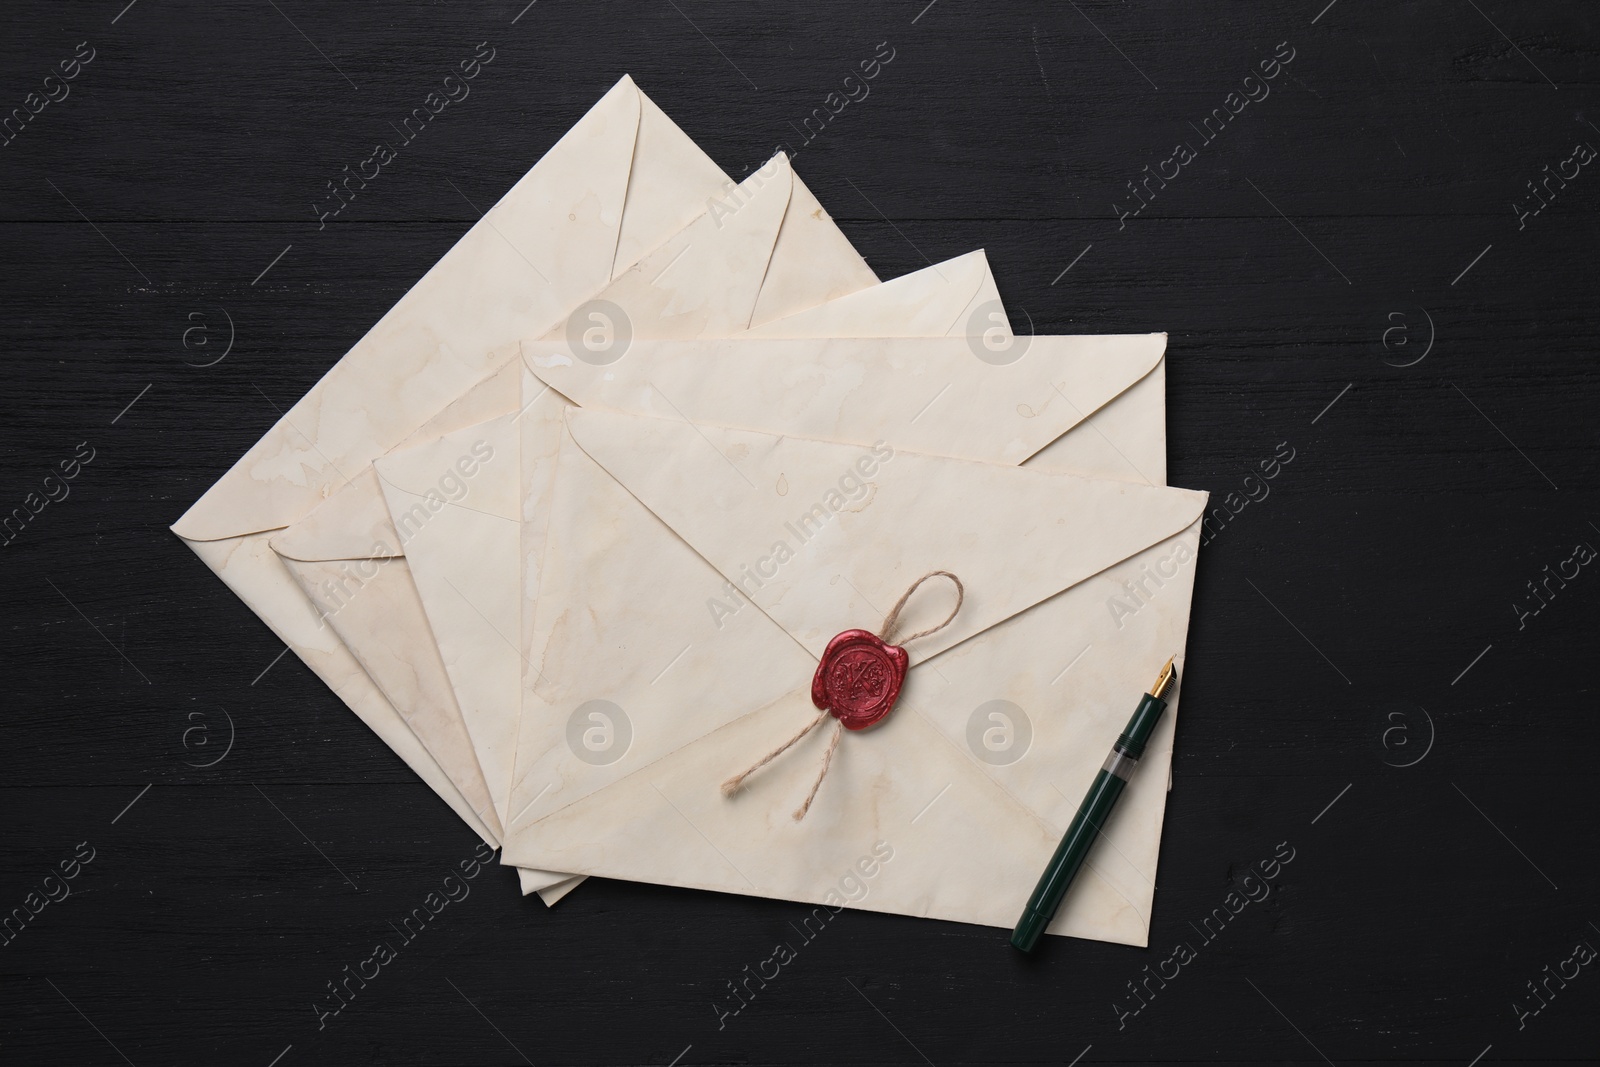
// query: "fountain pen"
[[1092, 813]]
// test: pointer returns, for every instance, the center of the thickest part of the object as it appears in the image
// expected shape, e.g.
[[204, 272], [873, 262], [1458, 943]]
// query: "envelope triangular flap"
[[924, 303], [733, 248], [438, 339], [377, 602], [987, 300], [667, 185], [929, 395], [813, 262], [1124, 439], [448, 468], [825, 537], [438, 494], [494, 396], [354, 522]]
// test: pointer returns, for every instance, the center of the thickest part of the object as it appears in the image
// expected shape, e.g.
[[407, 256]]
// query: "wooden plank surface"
[[1361, 614]]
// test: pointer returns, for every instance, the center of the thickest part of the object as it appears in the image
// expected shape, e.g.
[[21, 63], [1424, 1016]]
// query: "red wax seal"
[[859, 678]]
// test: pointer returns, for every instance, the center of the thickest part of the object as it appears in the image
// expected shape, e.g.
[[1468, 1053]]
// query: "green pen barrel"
[[1092, 814], [1069, 856]]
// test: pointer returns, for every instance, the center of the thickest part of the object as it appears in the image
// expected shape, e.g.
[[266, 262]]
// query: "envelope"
[[615, 186], [714, 275], [693, 573], [460, 552], [1074, 378], [1054, 403]]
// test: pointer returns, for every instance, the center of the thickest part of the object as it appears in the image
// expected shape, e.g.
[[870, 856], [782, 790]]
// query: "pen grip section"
[[1141, 726]]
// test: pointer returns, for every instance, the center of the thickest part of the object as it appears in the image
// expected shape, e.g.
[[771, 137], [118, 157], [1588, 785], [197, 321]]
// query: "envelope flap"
[[497, 394], [812, 262], [702, 281], [667, 185], [924, 303], [825, 537], [548, 243], [444, 473], [932, 395], [353, 522]]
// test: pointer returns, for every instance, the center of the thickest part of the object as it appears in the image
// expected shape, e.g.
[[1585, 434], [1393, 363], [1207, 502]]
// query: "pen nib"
[[1164, 681]]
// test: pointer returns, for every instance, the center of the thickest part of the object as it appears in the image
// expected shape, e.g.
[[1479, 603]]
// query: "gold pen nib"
[[1164, 681]]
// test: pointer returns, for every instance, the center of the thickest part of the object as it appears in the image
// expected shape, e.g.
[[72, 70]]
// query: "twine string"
[[732, 785], [827, 761], [735, 783], [894, 613]]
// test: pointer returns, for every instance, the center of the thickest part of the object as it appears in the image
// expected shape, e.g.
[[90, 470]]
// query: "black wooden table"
[[1381, 260]]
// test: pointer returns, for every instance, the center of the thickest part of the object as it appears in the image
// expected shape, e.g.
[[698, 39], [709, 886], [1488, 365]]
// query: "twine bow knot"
[[857, 683]]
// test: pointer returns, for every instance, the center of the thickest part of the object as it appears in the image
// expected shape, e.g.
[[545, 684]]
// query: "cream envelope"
[[713, 273], [639, 632], [1071, 378], [460, 552], [827, 386], [616, 185], [1125, 438]]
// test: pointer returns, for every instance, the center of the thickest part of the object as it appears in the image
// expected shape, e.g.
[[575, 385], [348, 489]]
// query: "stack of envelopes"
[[570, 527]]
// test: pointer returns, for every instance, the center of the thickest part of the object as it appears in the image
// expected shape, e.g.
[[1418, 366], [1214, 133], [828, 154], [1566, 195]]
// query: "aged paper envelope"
[[632, 546], [621, 181], [459, 549]]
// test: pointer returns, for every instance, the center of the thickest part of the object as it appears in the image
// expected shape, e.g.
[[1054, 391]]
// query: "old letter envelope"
[[722, 561], [350, 562], [461, 535], [615, 186]]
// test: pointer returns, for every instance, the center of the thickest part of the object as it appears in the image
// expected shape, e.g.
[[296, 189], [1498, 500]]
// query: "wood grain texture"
[[1350, 201]]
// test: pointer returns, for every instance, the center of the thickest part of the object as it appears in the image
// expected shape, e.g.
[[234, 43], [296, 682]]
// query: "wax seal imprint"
[[859, 678], [857, 683]]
